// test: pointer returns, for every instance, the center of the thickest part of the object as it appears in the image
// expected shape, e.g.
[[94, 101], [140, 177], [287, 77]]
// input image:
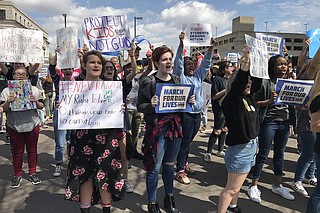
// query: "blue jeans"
[[166, 155], [314, 201], [190, 127], [306, 165], [59, 138], [277, 131]]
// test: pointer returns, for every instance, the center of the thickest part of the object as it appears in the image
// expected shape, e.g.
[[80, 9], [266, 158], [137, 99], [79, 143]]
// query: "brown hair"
[[86, 58], [158, 52]]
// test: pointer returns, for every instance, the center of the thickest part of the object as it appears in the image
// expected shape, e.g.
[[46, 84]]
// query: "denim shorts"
[[240, 158]]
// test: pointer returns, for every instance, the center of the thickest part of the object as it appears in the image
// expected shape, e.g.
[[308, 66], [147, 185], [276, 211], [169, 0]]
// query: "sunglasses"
[[109, 68]]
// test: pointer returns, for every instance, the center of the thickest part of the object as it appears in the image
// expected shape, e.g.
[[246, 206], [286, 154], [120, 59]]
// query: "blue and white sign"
[[173, 98], [293, 92], [314, 36]]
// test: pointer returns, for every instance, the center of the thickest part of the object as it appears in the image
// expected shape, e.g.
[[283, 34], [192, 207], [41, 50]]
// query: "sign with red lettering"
[[107, 33], [197, 34], [90, 105], [21, 45]]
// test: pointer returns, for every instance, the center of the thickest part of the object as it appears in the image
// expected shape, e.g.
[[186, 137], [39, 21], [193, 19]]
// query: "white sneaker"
[[207, 157], [312, 181], [298, 187], [221, 154], [127, 186], [284, 192], [254, 194], [57, 171]]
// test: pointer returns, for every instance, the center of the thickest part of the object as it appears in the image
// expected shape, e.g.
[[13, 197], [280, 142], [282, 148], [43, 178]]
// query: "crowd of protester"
[[247, 122]]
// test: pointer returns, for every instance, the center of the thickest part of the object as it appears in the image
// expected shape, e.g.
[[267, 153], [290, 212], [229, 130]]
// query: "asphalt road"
[[200, 196]]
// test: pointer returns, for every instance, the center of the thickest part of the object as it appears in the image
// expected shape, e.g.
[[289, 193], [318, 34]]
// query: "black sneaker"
[[34, 179], [236, 209], [15, 183], [153, 208]]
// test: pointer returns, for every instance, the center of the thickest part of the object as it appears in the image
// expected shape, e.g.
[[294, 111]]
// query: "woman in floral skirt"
[[94, 170]]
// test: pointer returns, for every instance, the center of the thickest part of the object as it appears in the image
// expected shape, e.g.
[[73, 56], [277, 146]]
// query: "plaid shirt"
[[150, 141]]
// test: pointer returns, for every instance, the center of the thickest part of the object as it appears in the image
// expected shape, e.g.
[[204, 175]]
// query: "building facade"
[[12, 17], [234, 41]]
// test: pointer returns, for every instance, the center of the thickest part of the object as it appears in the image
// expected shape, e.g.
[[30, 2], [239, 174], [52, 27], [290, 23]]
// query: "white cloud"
[[249, 1]]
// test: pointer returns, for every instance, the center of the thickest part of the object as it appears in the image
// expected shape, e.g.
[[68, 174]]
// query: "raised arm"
[[150, 62], [205, 65], [303, 54], [314, 66], [178, 69], [133, 63], [3, 68]]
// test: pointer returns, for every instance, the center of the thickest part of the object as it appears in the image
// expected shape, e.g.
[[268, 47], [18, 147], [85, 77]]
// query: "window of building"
[[298, 40], [20, 19], [288, 47], [220, 42], [226, 41], [2, 15], [232, 47], [297, 48], [232, 39], [288, 39]]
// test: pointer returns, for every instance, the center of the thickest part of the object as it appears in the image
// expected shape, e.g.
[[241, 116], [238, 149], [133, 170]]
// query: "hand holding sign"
[[192, 99], [154, 101]]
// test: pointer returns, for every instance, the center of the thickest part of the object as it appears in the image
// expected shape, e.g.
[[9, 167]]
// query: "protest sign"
[[21, 89], [43, 72], [107, 33], [293, 92], [197, 34], [232, 57], [173, 98], [21, 45], [314, 36], [140, 38], [206, 93], [90, 105], [67, 40], [258, 57], [274, 43]]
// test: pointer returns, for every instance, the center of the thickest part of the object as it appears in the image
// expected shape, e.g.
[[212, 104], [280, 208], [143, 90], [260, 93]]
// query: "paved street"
[[200, 196]]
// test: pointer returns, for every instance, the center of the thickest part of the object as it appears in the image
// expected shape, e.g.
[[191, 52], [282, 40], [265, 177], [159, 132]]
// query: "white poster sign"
[[21, 45], [67, 40], [258, 57], [197, 34], [90, 105], [107, 33]]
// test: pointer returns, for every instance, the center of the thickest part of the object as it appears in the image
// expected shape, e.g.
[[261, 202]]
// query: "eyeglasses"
[[109, 68], [21, 74]]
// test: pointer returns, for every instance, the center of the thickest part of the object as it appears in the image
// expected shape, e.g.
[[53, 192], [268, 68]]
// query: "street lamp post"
[[216, 32], [266, 22], [135, 24], [65, 19], [306, 26]]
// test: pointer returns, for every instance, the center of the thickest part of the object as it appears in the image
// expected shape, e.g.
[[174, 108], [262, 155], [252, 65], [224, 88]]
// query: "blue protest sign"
[[293, 92], [173, 98], [314, 36], [140, 38]]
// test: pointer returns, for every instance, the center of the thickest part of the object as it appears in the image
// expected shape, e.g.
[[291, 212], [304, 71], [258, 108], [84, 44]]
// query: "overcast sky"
[[163, 19]]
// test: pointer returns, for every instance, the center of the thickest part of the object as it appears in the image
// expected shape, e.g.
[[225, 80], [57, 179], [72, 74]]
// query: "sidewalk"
[[200, 196]]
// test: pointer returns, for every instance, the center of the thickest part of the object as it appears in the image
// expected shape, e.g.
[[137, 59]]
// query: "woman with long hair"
[[274, 121]]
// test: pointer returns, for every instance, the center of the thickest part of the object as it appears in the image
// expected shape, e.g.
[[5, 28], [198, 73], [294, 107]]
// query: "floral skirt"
[[94, 155]]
